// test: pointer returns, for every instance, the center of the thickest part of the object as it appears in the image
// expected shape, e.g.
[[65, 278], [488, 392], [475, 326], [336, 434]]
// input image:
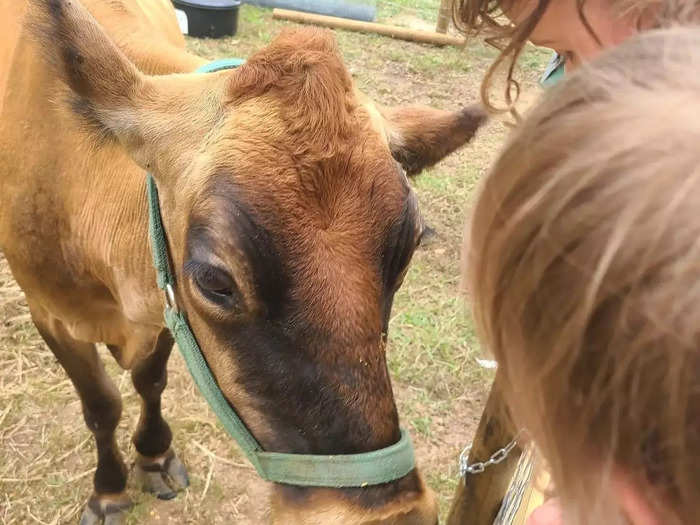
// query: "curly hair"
[[486, 18]]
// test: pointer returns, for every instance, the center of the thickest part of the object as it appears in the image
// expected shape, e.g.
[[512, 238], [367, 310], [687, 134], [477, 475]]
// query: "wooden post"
[[404, 33], [478, 497], [444, 16]]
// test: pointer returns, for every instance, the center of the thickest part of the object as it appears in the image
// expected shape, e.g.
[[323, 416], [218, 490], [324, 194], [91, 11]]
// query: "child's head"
[[576, 29], [584, 265]]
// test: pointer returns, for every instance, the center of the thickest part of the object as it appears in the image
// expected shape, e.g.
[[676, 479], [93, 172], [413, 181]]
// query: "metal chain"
[[478, 467]]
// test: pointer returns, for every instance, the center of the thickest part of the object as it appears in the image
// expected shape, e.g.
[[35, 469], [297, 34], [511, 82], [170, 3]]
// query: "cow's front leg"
[[157, 465], [102, 408]]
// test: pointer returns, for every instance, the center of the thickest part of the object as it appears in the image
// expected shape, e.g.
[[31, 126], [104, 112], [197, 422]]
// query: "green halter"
[[343, 470]]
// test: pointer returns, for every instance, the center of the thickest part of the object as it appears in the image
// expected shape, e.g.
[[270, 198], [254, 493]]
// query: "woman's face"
[[562, 29]]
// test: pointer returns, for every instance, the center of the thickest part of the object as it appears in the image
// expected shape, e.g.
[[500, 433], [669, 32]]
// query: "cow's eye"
[[215, 284]]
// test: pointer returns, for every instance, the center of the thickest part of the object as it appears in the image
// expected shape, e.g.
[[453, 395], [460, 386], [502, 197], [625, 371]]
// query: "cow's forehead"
[[278, 170], [357, 192]]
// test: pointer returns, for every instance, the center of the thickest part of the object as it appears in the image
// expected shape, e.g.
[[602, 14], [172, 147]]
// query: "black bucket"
[[207, 18]]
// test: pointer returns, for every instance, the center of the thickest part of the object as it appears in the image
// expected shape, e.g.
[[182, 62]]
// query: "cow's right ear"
[[420, 136], [105, 85]]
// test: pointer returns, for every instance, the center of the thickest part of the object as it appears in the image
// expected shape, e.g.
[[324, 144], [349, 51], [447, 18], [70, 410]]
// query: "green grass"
[[534, 58], [426, 10], [432, 340]]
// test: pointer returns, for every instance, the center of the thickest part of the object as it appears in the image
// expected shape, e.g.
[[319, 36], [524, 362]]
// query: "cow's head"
[[291, 223]]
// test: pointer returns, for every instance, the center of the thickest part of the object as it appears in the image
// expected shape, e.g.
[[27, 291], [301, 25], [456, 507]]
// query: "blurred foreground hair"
[[583, 262]]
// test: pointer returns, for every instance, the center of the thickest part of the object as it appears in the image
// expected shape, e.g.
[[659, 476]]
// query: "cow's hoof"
[[163, 476], [106, 510]]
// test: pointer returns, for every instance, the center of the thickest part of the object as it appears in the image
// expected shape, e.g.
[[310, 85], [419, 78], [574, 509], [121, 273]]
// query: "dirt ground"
[[47, 455]]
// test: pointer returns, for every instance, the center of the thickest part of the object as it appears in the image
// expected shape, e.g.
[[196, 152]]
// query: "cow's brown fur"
[[278, 177]]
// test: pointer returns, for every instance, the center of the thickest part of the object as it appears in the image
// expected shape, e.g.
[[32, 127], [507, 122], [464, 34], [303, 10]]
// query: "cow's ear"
[[105, 85], [420, 136], [148, 115]]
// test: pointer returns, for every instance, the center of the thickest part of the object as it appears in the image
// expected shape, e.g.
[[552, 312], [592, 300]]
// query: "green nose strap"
[[309, 470]]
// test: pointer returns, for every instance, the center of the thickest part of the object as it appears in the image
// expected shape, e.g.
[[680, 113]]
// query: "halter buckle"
[[170, 300]]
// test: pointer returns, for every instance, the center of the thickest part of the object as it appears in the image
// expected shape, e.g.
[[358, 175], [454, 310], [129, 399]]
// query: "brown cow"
[[290, 226]]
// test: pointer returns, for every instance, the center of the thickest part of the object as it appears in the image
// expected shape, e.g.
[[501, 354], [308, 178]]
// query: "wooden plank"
[[534, 496], [526, 491], [403, 33], [478, 497]]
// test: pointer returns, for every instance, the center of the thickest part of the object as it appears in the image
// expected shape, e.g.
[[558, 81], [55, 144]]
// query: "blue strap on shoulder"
[[554, 72]]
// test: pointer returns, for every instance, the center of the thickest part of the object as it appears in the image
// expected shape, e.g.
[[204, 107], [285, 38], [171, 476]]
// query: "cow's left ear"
[[115, 101], [420, 136]]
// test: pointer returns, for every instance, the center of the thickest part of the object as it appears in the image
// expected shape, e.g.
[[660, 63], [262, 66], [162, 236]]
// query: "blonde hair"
[[485, 17], [583, 262]]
